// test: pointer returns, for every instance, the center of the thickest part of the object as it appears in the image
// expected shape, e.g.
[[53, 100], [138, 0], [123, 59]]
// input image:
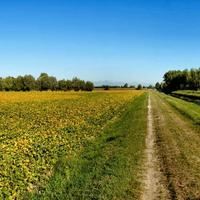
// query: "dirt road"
[[172, 157], [153, 181]]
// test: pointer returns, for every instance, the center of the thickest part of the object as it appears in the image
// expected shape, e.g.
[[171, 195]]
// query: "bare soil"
[[154, 186]]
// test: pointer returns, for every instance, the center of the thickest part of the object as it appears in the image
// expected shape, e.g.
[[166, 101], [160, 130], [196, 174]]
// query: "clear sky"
[[116, 40]]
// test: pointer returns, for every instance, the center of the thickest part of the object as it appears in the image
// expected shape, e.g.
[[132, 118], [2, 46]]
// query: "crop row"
[[35, 131]]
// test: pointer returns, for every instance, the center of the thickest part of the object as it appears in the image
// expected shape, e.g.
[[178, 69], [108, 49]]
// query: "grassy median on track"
[[108, 167]]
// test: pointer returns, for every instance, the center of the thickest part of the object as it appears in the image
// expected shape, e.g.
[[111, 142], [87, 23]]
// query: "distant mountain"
[[112, 83]]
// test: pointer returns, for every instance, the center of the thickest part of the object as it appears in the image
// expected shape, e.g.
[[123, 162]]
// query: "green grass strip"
[[108, 167], [189, 93], [189, 109]]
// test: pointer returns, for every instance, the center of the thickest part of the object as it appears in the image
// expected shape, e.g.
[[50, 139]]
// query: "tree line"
[[43, 83], [125, 86], [180, 80]]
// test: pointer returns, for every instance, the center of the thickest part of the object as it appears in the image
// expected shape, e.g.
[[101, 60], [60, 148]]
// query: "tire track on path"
[[153, 188], [177, 142]]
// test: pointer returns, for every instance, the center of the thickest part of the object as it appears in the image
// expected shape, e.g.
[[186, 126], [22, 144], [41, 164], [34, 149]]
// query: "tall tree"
[[8, 83], [44, 82], [139, 87], [89, 86], [29, 83], [18, 83], [158, 86], [1, 84], [53, 83], [179, 80], [76, 84], [125, 85]]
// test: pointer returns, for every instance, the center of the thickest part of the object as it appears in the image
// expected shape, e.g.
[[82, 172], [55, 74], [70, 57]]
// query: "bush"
[[106, 87], [89, 86], [139, 87]]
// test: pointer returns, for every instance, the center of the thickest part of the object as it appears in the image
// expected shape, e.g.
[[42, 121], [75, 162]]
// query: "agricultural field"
[[90, 108], [116, 144], [40, 130]]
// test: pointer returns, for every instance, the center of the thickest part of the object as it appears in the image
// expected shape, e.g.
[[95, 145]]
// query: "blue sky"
[[115, 40]]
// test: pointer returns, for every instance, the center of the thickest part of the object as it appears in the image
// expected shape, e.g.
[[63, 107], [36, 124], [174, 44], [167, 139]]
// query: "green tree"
[[18, 83], [106, 87], [82, 85], [158, 86], [69, 85], [125, 85], [195, 79], [139, 87], [179, 80], [76, 84], [132, 86], [89, 86], [44, 82], [53, 83], [1, 84], [8, 83], [62, 85], [29, 83], [150, 87]]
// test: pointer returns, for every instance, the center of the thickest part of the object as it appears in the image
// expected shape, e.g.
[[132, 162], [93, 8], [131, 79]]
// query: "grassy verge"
[[108, 167], [189, 93], [191, 96], [189, 109], [177, 139]]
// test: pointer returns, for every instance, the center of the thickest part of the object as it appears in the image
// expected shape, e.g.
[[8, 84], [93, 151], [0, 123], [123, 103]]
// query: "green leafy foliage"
[[36, 129]]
